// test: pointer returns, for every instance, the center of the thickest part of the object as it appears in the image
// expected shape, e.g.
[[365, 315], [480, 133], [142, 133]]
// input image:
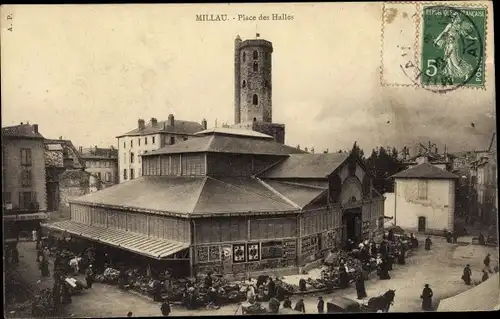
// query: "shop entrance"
[[351, 222]]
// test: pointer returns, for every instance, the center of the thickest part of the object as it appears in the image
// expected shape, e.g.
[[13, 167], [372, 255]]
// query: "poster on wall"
[[253, 251], [226, 252], [366, 227], [202, 254], [290, 249], [214, 253], [239, 253], [272, 249]]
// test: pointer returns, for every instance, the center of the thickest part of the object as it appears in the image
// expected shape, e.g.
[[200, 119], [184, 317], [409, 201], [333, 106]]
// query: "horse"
[[382, 302]]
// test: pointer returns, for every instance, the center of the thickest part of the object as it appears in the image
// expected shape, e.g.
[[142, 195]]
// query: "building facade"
[[425, 199], [23, 178], [148, 137], [253, 109], [234, 202], [102, 163]]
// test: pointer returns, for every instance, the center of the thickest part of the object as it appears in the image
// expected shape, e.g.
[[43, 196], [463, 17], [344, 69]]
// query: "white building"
[[424, 199], [148, 137]]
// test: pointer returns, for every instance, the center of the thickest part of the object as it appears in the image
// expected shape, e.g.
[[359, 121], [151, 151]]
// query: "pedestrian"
[[413, 241], [449, 236], [15, 255], [428, 243], [287, 303], [89, 276], [485, 275], [34, 233], [56, 295], [208, 280], [122, 278], [360, 287], [481, 239], [157, 290], [66, 295], [343, 277], [73, 263], [302, 284], [165, 308], [455, 237], [390, 235], [384, 270], [486, 261], [321, 305], [129, 314], [401, 255], [44, 267], [426, 298], [251, 294], [271, 288], [373, 249], [467, 274], [299, 306]]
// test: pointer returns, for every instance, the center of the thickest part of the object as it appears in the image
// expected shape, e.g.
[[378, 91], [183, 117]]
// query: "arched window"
[[255, 66], [244, 56], [255, 99], [255, 55], [244, 84]]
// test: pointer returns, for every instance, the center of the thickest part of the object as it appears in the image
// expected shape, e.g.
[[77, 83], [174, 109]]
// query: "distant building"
[[148, 137], [23, 178], [233, 202], [425, 199], [253, 109], [486, 182], [62, 159], [102, 163]]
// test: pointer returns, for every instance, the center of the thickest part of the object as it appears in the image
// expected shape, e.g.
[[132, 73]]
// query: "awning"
[[31, 216], [483, 297], [137, 243]]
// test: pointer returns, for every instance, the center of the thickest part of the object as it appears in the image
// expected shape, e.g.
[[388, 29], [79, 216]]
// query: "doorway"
[[421, 224], [352, 225]]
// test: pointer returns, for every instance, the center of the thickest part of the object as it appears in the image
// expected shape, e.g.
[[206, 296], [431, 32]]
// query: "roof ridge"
[[202, 186], [269, 187], [300, 184], [247, 191]]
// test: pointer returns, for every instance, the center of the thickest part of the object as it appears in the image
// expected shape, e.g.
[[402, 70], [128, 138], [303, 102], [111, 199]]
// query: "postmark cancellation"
[[435, 46]]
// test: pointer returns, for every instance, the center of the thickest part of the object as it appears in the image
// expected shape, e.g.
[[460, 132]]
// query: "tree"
[[357, 151], [383, 163]]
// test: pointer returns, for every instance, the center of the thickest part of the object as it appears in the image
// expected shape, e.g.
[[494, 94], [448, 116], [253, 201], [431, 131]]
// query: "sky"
[[89, 72]]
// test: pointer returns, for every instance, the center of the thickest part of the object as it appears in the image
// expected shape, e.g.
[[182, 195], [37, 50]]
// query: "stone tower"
[[253, 81]]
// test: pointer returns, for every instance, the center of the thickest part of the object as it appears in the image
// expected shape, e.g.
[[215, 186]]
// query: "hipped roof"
[[21, 131], [180, 127], [425, 171], [200, 196]]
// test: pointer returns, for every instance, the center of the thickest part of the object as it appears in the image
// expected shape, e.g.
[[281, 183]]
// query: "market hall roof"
[[306, 166], [202, 196], [227, 143], [141, 244], [234, 131], [425, 171]]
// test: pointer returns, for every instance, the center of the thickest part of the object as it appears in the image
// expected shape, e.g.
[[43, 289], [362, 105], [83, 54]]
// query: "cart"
[[343, 304], [75, 285]]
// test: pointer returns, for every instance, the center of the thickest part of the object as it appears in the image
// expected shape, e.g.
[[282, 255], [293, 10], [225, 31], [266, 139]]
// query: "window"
[[131, 158], [26, 156], [266, 56], [255, 55], [131, 173], [99, 176], [172, 140], [107, 164], [124, 145], [26, 199], [131, 143], [98, 164], [266, 84], [7, 198], [244, 84], [124, 173], [244, 56], [108, 177], [255, 99], [422, 189], [145, 141], [255, 66], [26, 178], [152, 140], [139, 141], [125, 157]]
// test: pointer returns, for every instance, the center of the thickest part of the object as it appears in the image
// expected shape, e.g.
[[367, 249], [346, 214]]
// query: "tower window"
[[244, 56], [266, 84], [255, 99], [266, 56], [255, 55], [244, 84], [255, 66]]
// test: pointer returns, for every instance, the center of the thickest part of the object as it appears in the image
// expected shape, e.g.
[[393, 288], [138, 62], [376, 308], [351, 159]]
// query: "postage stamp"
[[439, 47], [453, 42]]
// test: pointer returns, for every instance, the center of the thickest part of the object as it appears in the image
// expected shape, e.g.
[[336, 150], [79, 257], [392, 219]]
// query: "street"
[[441, 268]]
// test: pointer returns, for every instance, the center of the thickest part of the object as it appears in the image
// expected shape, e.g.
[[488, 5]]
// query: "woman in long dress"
[[449, 41]]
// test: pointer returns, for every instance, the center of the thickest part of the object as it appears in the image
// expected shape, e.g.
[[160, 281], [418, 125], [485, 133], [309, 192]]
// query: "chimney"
[[35, 128], [171, 120], [140, 124], [60, 137], [112, 147], [204, 124], [95, 147], [312, 150], [80, 149], [21, 123], [154, 121]]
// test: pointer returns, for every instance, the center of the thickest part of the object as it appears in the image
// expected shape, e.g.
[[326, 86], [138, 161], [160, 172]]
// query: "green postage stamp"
[[453, 47]]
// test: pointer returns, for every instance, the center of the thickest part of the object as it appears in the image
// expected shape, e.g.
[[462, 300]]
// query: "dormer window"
[[255, 55]]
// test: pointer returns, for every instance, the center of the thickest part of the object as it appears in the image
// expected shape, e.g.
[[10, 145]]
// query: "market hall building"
[[234, 202]]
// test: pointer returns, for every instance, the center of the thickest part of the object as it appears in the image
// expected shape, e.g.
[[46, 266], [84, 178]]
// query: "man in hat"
[[321, 305], [467, 275], [427, 298], [165, 308], [428, 243], [486, 262], [89, 276]]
